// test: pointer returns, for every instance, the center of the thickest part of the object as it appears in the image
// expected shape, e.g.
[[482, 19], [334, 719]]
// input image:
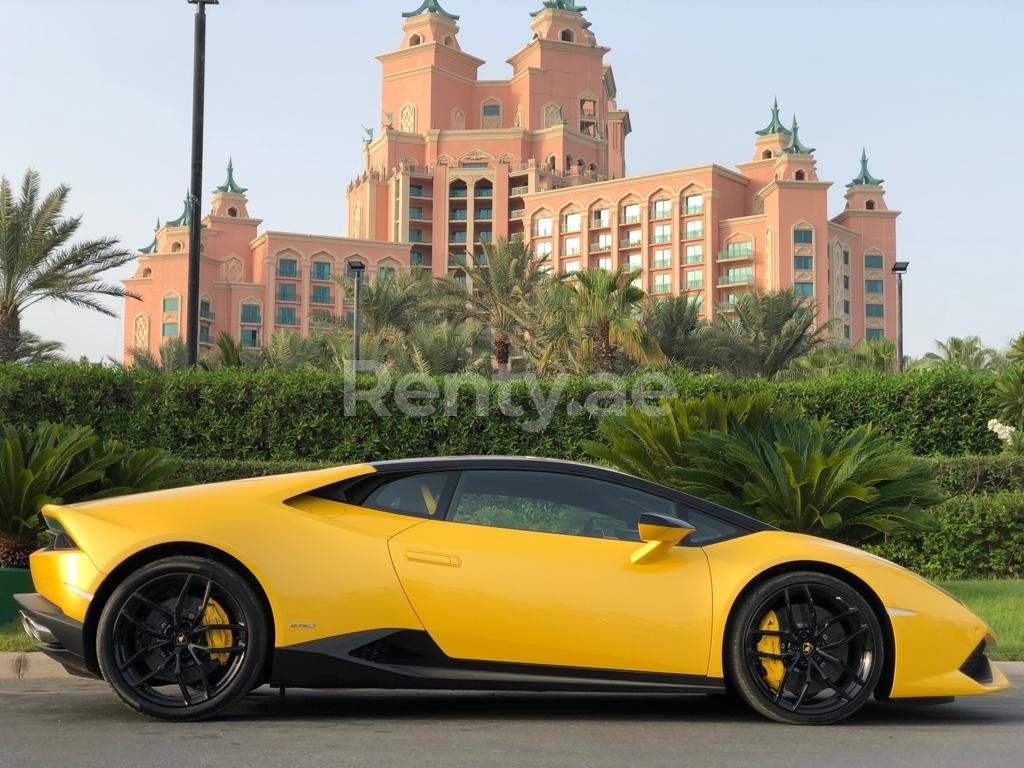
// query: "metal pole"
[[899, 343], [198, 109], [357, 316]]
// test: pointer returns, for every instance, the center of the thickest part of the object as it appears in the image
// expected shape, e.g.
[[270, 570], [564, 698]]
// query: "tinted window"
[[409, 495], [553, 503]]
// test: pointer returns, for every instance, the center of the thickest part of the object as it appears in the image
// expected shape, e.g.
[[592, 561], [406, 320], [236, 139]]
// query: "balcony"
[[735, 255], [458, 215], [727, 306], [600, 223], [695, 286], [483, 215], [207, 314], [627, 243], [659, 239], [693, 210], [416, 237], [693, 234], [542, 232], [662, 264], [458, 194], [730, 280], [419, 260], [630, 219], [484, 192], [420, 192], [519, 191], [457, 237], [518, 214], [656, 216], [600, 247], [289, 274], [691, 260], [661, 288]]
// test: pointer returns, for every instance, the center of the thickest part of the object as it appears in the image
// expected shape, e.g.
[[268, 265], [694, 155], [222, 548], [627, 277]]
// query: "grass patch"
[[13, 638], [1001, 604]]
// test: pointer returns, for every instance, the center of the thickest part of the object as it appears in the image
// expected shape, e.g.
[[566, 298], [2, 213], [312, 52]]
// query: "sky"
[[97, 94]]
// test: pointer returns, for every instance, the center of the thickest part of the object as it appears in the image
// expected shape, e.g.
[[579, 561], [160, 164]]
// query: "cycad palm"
[[39, 262], [604, 310], [767, 332], [503, 288]]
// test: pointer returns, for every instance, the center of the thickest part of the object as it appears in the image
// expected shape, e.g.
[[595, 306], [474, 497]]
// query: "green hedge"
[[268, 415], [979, 537]]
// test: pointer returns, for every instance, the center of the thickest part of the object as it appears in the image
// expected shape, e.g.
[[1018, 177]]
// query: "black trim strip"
[[70, 651]]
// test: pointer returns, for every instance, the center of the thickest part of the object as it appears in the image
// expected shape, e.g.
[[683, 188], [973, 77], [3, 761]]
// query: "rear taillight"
[[59, 538]]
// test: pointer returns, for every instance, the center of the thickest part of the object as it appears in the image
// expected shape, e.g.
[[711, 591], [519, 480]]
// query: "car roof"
[[541, 464]]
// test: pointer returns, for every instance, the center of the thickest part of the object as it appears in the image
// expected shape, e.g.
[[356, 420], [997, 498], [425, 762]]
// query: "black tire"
[[805, 648], [163, 658]]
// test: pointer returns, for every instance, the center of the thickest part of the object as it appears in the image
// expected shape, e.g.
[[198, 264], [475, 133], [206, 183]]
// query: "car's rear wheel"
[[805, 648], [182, 638]]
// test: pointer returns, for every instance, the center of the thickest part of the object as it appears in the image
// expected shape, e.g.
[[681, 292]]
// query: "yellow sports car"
[[483, 573]]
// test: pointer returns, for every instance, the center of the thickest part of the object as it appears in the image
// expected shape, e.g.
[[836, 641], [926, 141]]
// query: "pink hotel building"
[[461, 161]]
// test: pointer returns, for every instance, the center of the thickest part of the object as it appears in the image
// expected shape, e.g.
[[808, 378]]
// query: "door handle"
[[432, 558]]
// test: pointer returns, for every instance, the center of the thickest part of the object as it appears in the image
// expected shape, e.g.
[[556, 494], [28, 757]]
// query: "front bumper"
[[57, 635]]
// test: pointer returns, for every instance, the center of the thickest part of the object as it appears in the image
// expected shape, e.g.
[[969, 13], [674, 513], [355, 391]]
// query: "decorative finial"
[[230, 185], [368, 140], [430, 6], [390, 116], [186, 215], [157, 227], [865, 177], [796, 147], [560, 5], [775, 126]]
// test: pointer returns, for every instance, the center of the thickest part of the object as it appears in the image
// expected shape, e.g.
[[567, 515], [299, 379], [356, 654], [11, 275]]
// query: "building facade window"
[[543, 250], [604, 263], [663, 283], [287, 292], [694, 254], [874, 261], [739, 275], [846, 282], [694, 204], [846, 258], [170, 330], [874, 310], [846, 332], [846, 306], [415, 212], [204, 335], [205, 309], [804, 289], [287, 316], [171, 303], [573, 222], [662, 258], [740, 250], [572, 266], [250, 338], [321, 270], [386, 273], [634, 261], [287, 268], [602, 218], [604, 241], [492, 110], [663, 233], [571, 246], [803, 236], [251, 314], [803, 262], [631, 213], [694, 279], [874, 334], [545, 226], [874, 286], [695, 230], [322, 294], [352, 271], [662, 209]]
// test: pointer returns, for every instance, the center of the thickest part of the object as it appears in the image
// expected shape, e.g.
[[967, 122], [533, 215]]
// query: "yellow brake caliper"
[[217, 638], [774, 668]]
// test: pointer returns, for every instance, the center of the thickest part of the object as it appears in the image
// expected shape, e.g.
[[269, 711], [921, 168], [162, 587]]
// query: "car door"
[[534, 567]]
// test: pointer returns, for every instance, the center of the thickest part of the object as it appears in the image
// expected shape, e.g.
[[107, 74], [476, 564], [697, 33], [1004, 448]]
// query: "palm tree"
[[503, 286], [967, 353], [38, 261], [438, 350], [603, 311], [872, 356], [33, 350], [675, 323], [1016, 354], [766, 333]]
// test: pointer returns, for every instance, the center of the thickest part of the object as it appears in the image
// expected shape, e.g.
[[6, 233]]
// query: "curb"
[[37, 666]]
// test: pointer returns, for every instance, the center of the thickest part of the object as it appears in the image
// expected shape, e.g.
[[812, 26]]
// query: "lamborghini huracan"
[[483, 573]]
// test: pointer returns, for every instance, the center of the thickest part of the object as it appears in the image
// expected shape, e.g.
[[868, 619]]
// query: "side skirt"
[[410, 659]]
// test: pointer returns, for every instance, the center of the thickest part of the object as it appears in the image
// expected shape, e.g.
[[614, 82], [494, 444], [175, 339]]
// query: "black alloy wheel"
[[182, 639], [806, 649]]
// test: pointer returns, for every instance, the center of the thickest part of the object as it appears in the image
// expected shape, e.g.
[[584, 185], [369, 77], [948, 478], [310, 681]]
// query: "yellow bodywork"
[[329, 568]]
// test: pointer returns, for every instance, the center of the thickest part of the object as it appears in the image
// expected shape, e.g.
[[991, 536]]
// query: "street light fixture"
[[358, 270], [195, 226], [900, 269]]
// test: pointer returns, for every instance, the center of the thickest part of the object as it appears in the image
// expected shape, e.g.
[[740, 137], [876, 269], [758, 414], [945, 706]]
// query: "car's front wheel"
[[182, 638], [805, 648]]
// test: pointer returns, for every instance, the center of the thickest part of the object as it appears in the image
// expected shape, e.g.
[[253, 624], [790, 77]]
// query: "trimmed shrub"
[[979, 537], [966, 475], [270, 415]]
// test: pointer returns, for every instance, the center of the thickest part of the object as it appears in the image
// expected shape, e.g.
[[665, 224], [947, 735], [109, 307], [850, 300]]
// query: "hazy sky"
[[97, 94]]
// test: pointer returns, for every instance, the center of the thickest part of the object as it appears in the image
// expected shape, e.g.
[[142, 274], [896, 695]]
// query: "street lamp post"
[[195, 227], [357, 315], [900, 269]]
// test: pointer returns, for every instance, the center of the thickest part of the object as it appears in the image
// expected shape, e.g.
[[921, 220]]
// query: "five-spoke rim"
[[179, 640], [823, 647]]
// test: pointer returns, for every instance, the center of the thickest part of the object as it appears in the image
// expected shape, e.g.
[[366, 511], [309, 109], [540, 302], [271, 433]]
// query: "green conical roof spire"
[[186, 216], [796, 147], [865, 177], [230, 185], [561, 5], [430, 6], [151, 248], [775, 126]]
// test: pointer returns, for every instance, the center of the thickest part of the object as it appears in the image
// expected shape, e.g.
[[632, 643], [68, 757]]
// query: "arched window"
[[766, 155], [552, 162], [567, 36], [386, 273], [415, 40], [800, 176], [448, 40], [536, 36], [176, 247], [147, 272], [870, 205], [233, 212], [568, 163], [593, 168]]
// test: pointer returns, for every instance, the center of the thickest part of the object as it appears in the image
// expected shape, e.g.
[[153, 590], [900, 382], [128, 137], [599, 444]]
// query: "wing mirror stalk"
[[661, 533]]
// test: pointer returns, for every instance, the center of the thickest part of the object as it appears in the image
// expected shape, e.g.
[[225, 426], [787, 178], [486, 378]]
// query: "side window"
[[550, 502], [410, 495]]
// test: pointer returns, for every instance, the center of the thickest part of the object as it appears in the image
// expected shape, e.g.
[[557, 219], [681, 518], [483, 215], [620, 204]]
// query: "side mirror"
[[661, 533]]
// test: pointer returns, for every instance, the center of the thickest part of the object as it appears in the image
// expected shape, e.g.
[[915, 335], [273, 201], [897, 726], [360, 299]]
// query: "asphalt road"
[[79, 723]]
